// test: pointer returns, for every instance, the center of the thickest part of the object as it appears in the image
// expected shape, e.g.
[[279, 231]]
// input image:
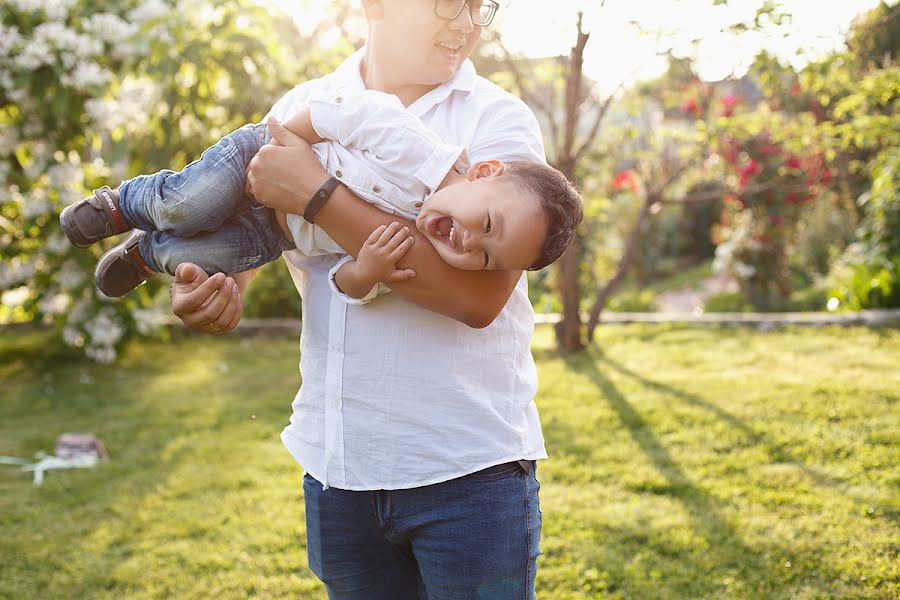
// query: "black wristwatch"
[[315, 203]]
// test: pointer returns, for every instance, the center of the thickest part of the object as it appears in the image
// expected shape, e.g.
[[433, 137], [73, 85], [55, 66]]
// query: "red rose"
[[748, 171], [792, 162], [625, 180], [690, 106], [729, 103]]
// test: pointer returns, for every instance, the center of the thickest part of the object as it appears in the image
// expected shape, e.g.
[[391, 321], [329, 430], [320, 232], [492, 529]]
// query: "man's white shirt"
[[395, 396]]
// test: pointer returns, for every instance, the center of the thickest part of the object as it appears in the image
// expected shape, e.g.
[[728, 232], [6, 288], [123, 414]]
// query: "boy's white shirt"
[[396, 396], [383, 153]]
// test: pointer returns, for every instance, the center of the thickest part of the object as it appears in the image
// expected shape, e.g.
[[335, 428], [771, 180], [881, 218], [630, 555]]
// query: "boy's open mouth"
[[444, 229]]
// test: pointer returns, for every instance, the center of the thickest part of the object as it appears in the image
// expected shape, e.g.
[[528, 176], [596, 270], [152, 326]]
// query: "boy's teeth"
[[452, 231]]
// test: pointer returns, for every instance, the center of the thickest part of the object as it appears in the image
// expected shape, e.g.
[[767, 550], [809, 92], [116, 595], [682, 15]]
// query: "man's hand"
[[204, 303], [285, 173]]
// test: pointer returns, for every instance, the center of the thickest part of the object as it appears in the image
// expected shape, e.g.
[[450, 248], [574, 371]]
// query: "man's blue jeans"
[[201, 213], [472, 537]]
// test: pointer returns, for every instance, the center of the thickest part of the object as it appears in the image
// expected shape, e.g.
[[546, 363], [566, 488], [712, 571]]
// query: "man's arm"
[[285, 176]]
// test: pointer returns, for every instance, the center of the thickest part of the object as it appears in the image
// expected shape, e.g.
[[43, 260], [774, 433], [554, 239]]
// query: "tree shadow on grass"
[[756, 566], [776, 452]]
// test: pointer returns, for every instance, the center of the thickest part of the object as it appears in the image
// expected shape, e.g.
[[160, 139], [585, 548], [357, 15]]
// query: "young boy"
[[490, 215]]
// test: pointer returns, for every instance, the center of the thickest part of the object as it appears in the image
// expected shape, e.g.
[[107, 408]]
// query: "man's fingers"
[[373, 237], [227, 320], [216, 306], [238, 311], [185, 303], [188, 273], [402, 248], [401, 275], [282, 135]]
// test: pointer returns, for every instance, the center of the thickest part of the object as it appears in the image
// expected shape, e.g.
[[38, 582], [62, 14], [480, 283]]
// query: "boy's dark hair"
[[559, 201]]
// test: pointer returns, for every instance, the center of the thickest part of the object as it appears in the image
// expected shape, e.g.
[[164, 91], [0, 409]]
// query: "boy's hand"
[[376, 261], [377, 258]]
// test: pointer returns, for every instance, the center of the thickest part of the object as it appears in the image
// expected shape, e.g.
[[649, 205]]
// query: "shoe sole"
[[70, 230], [108, 258]]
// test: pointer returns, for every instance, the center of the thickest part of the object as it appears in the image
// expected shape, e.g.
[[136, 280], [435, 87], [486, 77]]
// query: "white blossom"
[[57, 243], [105, 329], [35, 54], [79, 312], [129, 109], [109, 28], [65, 175], [15, 271], [743, 270], [86, 75], [149, 10], [15, 297], [54, 303], [146, 319], [9, 39], [72, 336], [71, 275], [102, 354]]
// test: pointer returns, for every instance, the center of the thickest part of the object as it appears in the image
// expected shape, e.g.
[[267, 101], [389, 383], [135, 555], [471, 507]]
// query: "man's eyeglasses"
[[482, 11]]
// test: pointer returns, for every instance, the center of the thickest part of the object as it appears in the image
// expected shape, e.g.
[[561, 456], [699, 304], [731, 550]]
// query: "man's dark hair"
[[558, 200]]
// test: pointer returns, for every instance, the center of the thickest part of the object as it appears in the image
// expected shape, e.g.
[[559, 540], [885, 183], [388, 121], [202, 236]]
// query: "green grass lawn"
[[684, 463]]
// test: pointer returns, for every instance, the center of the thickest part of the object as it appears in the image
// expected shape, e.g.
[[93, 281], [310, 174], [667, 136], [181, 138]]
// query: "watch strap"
[[318, 199]]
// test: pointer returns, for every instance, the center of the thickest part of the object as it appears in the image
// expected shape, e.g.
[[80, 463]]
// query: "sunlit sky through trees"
[[628, 35]]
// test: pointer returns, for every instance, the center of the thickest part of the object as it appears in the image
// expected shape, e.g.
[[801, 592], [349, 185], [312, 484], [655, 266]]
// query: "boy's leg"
[[201, 196], [246, 241]]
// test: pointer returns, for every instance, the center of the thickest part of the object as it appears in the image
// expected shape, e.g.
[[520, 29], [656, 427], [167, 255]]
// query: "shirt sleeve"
[[510, 132], [379, 124], [376, 290]]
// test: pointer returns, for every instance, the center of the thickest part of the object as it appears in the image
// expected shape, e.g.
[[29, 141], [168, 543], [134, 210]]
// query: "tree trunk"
[[568, 329], [610, 286]]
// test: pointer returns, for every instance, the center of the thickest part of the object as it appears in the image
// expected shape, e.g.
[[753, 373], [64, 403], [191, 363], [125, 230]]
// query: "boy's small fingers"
[[398, 238], [402, 275], [373, 237], [388, 232], [402, 248]]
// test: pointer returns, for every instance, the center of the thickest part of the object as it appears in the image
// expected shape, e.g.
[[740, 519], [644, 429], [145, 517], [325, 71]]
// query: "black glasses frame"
[[495, 6]]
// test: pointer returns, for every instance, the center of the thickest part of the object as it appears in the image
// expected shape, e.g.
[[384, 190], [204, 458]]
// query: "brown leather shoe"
[[94, 218], [122, 268]]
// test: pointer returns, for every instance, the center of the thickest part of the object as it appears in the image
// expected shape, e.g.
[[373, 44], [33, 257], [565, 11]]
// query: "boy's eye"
[[485, 260], [487, 228]]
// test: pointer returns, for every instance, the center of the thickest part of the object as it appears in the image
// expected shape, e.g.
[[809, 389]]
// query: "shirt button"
[[428, 190], [338, 174], [418, 205], [339, 99], [376, 189]]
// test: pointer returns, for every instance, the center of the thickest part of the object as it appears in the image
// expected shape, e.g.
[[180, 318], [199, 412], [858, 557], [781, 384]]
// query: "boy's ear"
[[374, 10], [485, 168]]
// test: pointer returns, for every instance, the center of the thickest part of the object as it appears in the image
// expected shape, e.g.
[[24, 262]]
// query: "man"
[[416, 421]]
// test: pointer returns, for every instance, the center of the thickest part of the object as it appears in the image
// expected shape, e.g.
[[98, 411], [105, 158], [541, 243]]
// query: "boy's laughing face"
[[485, 222]]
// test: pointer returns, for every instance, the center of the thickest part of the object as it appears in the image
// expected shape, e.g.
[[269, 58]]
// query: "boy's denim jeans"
[[201, 213], [472, 537]]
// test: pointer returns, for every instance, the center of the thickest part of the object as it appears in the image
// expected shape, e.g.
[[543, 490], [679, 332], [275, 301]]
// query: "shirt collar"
[[463, 81]]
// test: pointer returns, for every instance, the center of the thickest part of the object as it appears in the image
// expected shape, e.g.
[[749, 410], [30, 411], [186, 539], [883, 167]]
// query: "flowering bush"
[[90, 95], [771, 188]]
